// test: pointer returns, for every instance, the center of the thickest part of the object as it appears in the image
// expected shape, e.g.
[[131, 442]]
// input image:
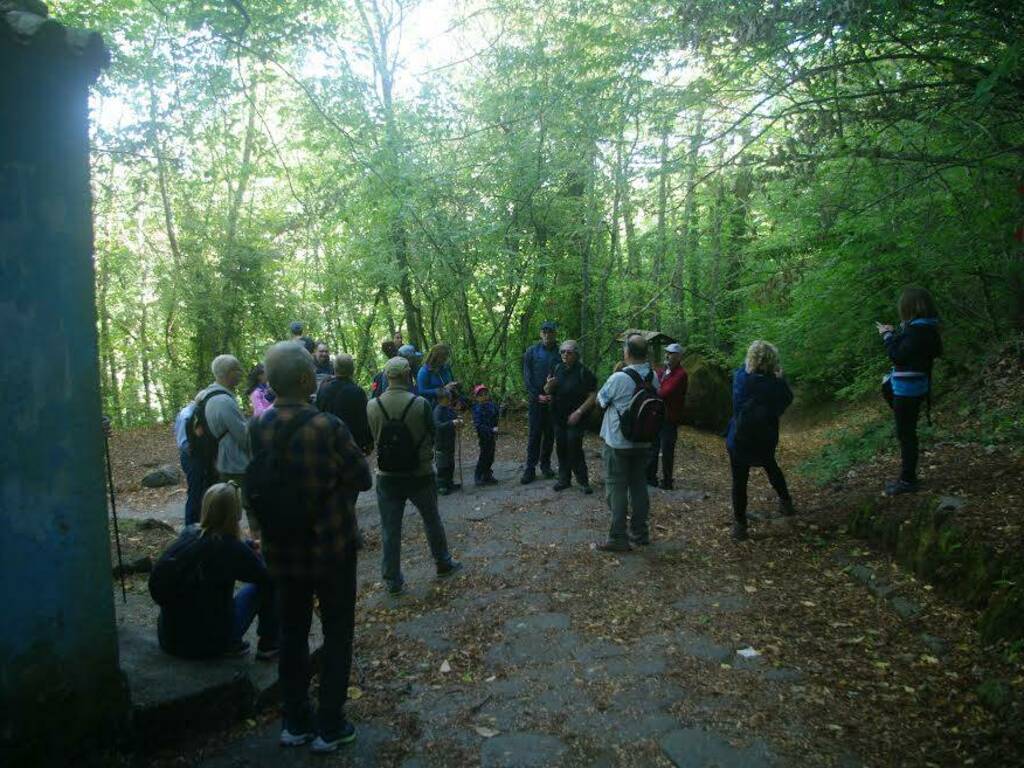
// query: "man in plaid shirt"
[[331, 470]]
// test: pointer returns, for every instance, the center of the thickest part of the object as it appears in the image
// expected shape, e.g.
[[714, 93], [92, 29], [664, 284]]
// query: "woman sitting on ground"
[[436, 374], [260, 394], [193, 582], [912, 350], [759, 397]]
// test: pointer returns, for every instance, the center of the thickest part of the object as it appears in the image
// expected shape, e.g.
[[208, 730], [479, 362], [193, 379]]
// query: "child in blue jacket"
[[485, 419]]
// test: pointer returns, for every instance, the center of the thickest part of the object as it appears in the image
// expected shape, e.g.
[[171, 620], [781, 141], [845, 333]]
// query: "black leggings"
[[740, 475], [907, 411]]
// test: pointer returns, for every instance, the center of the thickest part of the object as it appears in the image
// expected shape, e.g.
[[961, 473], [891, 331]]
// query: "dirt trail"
[[546, 652]]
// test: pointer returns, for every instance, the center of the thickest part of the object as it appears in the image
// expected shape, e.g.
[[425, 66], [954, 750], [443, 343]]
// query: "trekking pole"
[[458, 442], [113, 511]]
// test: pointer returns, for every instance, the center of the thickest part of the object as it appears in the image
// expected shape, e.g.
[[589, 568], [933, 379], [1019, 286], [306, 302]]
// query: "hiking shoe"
[[489, 480], [786, 508], [396, 589], [667, 485], [267, 652], [238, 650], [739, 531], [295, 739], [639, 541], [528, 476], [900, 486], [548, 472], [561, 485], [614, 546], [587, 488], [451, 567], [329, 742], [652, 481]]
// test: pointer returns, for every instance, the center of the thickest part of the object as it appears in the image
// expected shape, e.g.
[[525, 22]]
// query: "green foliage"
[[719, 171], [848, 447]]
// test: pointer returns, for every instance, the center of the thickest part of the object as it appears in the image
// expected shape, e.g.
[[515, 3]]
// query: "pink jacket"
[[259, 401]]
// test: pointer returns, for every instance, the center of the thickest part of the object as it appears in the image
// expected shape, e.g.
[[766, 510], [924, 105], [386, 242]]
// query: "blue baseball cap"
[[295, 327], [548, 325], [409, 352]]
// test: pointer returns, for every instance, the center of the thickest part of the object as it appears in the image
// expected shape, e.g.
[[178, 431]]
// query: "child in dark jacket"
[[446, 421], [485, 419], [759, 398], [912, 350]]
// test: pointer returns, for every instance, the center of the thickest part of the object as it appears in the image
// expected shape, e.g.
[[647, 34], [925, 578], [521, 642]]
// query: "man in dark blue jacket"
[[539, 362]]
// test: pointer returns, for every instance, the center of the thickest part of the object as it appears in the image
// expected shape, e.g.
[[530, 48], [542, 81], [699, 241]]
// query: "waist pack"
[[279, 502]]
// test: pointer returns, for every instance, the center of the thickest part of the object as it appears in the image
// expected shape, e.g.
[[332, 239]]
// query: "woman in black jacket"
[[759, 398], [194, 584], [912, 350]]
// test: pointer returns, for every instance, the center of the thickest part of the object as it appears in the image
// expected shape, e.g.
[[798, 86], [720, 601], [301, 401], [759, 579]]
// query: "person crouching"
[[446, 422], [485, 419]]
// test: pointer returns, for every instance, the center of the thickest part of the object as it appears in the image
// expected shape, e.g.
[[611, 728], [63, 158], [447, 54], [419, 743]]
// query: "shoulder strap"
[[635, 377], [380, 404], [202, 405], [408, 405]]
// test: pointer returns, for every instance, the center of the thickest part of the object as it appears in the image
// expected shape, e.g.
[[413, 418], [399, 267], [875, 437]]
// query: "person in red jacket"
[[673, 392]]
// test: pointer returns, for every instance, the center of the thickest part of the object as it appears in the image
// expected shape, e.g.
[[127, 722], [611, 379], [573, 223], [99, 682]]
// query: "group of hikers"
[[298, 465]]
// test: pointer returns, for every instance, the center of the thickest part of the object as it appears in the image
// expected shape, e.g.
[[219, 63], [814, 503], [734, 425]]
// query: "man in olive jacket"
[[416, 484]]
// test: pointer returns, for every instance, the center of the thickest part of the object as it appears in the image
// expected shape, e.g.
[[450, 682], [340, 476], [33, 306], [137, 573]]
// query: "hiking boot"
[[667, 485], [529, 475], [329, 742], [561, 485], [587, 488], [614, 546], [395, 588], [652, 481], [639, 541], [548, 472], [739, 531], [899, 487], [451, 567], [786, 508]]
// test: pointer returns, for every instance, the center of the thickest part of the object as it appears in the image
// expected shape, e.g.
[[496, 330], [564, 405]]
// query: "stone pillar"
[[61, 692]]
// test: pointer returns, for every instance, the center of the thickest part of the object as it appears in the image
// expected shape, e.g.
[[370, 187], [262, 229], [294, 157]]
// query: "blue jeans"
[[392, 493], [625, 483], [337, 594], [541, 441], [196, 486], [250, 602]]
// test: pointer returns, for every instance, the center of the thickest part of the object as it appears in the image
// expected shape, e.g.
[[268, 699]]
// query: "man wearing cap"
[[414, 356], [296, 329], [573, 389], [539, 362], [673, 392], [415, 483]]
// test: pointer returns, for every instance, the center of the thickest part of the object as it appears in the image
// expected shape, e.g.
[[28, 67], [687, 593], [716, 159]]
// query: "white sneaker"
[[289, 739]]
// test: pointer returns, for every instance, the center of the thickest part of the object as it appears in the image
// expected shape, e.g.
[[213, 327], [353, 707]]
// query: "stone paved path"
[[544, 690]]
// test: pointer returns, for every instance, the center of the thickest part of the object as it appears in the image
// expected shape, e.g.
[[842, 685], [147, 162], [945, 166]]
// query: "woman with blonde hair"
[[759, 397], [436, 374], [201, 616]]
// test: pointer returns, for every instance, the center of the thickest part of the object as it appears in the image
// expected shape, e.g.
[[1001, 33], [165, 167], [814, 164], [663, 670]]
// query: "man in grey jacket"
[[228, 425], [416, 483]]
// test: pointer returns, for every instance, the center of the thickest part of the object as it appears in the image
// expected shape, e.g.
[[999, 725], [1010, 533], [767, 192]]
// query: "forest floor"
[[547, 652]]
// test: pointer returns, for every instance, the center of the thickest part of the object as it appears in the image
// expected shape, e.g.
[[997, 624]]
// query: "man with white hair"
[[402, 425], [226, 423], [325, 471]]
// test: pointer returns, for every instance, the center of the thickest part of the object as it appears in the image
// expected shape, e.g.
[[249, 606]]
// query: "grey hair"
[[222, 365], [762, 357], [570, 344], [286, 363], [344, 365]]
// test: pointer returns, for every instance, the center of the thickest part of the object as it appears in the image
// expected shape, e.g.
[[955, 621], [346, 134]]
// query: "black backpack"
[[202, 444], [641, 421], [755, 426], [179, 570], [277, 499], [396, 452]]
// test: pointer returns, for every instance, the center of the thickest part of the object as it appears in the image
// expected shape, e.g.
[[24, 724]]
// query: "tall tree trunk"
[[688, 247], [661, 252]]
